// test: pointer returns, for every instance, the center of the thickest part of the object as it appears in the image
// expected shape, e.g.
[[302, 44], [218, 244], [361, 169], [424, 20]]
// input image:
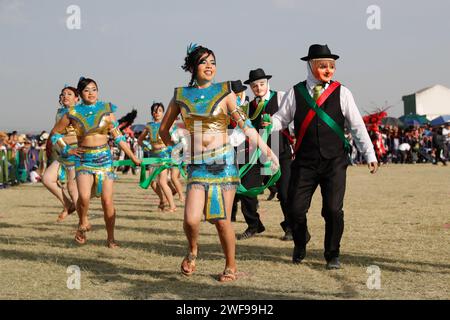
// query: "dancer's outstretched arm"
[[245, 124], [142, 137], [56, 137], [119, 139]]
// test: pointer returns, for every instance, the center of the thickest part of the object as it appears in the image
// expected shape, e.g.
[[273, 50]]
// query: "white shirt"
[[353, 119], [34, 177], [446, 134], [404, 147]]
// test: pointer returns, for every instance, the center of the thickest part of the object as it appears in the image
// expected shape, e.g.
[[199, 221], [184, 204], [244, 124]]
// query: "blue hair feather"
[[191, 48]]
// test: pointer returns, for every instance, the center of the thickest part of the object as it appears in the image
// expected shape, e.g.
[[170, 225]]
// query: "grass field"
[[398, 220]]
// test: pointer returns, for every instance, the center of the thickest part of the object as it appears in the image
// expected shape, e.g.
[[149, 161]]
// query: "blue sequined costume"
[[67, 162], [155, 139], [212, 170], [97, 161]]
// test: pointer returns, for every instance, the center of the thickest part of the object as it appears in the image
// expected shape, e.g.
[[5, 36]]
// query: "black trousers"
[[249, 205], [330, 174], [283, 187]]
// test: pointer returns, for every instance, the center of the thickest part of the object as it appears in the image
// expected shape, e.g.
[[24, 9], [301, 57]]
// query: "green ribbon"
[[166, 163], [323, 115], [255, 191], [163, 164]]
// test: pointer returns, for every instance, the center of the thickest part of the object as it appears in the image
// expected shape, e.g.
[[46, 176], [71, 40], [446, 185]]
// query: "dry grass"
[[398, 220]]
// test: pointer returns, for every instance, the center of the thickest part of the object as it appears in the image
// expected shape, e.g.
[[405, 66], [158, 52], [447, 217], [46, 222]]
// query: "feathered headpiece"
[[191, 48], [128, 119], [373, 120]]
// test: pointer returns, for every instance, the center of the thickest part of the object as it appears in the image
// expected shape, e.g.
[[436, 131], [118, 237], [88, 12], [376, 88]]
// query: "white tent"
[[432, 102]]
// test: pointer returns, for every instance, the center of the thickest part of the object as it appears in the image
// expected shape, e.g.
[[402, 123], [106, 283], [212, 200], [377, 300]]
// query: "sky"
[[134, 49]]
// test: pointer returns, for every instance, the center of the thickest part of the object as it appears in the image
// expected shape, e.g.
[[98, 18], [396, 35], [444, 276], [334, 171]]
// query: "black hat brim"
[[325, 56], [239, 89], [256, 79]]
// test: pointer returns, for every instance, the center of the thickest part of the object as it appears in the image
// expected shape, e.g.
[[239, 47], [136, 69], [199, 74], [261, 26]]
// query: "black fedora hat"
[[257, 75], [237, 86], [318, 51]]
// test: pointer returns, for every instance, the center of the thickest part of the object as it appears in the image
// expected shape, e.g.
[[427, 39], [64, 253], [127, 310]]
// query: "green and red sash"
[[317, 110]]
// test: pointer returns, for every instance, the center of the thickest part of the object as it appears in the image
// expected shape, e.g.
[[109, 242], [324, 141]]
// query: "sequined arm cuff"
[[117, 134], [118, 139], [58, 139], [243, 121]]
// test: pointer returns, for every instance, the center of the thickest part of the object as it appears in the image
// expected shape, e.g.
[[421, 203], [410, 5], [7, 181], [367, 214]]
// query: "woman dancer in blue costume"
[[64, 165], [212, 172], [159, 150], [93, 122]]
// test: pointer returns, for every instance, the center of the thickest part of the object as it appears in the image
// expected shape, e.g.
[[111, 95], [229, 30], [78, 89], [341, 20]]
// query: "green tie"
[[316, 91], [261, 103]]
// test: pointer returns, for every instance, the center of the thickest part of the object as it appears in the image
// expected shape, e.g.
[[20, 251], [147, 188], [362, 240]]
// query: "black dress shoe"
[[287, 236], [308, 236], [298, 255], [250, 233], [333, 264]]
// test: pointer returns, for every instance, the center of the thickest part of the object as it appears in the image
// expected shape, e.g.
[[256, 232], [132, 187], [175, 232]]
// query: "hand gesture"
[[264, 124], [76, 152], [137, 162], [275, 164]]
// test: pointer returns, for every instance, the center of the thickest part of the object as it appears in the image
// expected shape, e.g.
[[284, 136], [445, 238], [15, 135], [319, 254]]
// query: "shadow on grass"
[[167, 285], [244, 252]]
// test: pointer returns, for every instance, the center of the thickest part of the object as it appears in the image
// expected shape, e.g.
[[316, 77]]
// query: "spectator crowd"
[[416, 144], [23, 158]]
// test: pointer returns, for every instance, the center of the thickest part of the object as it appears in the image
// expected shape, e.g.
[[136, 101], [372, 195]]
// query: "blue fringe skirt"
[[96, 161], [214, 171]]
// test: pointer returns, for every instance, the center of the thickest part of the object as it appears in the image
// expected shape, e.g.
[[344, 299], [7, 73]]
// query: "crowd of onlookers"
[[23, 158], [423, 144]]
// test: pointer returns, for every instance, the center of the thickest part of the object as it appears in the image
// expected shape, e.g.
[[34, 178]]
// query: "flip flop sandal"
[[112, 244], [80, 236], [188, 265], [227, 276]]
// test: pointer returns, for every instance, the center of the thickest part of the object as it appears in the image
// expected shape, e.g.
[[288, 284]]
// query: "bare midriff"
[[209, 139], [158, 146]]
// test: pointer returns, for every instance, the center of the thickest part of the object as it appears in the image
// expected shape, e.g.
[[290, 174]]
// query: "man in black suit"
[[319, 108], [266, 101]]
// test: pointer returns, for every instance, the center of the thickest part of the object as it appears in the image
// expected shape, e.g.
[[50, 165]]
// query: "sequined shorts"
[[217, 166], [214, 171], [96, 161]]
